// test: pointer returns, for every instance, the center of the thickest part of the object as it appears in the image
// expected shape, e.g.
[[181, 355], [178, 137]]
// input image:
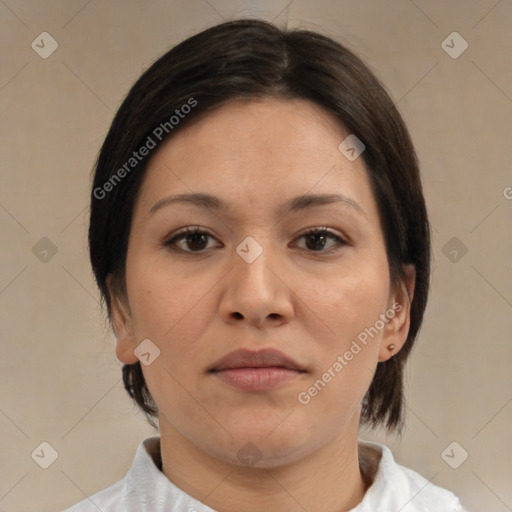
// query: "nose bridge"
[[251, 265], [254, 291]]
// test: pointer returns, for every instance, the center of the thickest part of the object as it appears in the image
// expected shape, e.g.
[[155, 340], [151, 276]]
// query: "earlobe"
[[121, 322], [397, 330]]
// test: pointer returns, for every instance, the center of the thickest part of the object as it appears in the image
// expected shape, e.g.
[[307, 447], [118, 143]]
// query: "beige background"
[[60, 381]]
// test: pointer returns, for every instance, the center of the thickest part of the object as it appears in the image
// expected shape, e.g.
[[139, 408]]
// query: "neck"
[[327, 480]]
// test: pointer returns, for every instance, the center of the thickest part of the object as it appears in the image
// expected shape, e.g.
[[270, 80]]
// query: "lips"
[[263, 371], [266, 358]]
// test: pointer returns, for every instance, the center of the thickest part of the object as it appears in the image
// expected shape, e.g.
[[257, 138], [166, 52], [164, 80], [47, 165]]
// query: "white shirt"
[[146, 489]]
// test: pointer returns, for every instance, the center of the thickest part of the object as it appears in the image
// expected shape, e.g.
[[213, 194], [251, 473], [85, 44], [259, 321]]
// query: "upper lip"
[[244, 358]]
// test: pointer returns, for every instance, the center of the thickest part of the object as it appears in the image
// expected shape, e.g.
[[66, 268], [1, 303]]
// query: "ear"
[[398, 315], [122, 324]]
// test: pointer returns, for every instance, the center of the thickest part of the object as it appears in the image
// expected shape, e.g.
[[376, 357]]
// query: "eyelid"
[[316, 229]]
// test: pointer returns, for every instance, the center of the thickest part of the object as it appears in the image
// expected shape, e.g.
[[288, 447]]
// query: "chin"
[[264, 444]]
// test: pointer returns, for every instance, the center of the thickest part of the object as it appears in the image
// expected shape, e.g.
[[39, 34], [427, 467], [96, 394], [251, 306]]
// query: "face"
[[307, 278]]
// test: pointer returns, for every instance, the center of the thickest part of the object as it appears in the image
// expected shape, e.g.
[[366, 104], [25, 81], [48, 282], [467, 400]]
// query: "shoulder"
[[400, 488], [123, 496], [107, 500]]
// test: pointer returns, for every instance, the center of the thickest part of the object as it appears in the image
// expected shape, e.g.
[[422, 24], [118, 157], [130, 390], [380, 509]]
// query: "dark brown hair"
[[248, 58]]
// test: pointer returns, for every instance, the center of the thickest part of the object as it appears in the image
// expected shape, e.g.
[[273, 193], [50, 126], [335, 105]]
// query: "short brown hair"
[[248, 58]]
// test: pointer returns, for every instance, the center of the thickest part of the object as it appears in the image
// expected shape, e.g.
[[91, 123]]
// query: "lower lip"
[[257, 379]]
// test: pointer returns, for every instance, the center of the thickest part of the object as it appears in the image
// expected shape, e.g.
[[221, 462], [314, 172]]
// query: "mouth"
[[256, 371]]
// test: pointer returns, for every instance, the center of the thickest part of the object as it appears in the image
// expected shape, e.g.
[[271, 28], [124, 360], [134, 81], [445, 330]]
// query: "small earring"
[[391, 348]]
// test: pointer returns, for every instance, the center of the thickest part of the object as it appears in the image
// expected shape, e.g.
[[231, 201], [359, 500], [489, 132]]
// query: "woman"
[[259, 236]]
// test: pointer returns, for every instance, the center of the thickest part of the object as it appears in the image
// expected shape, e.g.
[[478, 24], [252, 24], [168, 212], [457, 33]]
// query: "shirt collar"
[[151, 489], [392, 486]]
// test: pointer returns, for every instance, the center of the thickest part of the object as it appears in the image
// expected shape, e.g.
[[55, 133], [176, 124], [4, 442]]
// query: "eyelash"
[[171, 243]]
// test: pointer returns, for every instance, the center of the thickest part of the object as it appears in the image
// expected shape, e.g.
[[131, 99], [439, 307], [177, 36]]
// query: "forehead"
[[255, 153]]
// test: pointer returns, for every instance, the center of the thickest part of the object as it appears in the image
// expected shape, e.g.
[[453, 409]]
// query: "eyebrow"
[[295, 204]]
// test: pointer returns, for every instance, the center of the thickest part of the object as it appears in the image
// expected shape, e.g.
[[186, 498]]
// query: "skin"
[[295, 297]]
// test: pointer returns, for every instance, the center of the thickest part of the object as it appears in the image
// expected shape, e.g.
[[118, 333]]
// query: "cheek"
[[164, 299], [349, 307], [348, 302], [175, 311]]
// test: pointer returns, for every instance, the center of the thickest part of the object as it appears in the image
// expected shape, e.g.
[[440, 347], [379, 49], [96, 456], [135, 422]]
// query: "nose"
[[257, 291]]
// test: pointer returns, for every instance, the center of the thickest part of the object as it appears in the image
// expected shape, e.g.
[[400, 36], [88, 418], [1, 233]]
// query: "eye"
[[195, 238], [317, 240]]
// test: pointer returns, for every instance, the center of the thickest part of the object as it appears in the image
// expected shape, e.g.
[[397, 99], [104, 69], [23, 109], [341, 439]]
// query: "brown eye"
[[317, 239], [190, 240]]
